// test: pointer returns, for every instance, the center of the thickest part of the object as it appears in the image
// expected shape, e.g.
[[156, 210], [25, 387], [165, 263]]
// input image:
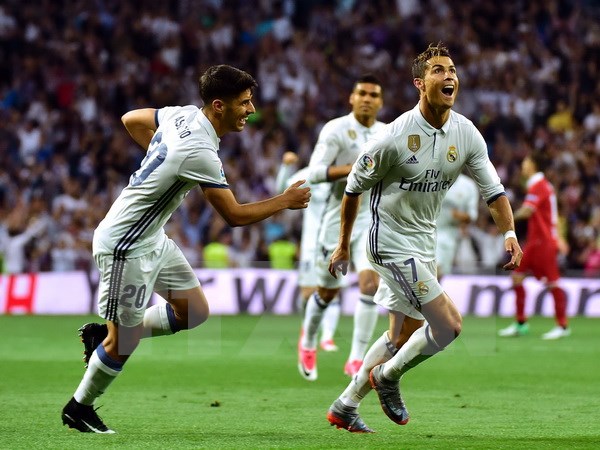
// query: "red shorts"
[[540, 261]]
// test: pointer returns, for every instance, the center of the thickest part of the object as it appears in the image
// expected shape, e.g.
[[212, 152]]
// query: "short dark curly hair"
[[419, 66], [224, 82]]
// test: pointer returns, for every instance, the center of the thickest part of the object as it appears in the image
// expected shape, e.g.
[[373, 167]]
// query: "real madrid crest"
[[422, 288], [452, 154], [414, 142], [352, 134]]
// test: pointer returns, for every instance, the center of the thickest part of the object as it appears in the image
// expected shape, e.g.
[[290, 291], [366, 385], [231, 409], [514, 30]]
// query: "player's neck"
[[215, 121], [365, 120], [435, 116]]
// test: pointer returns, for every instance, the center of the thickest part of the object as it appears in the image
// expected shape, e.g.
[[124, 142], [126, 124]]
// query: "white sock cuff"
[[156, 318], [318, 300], [366, 299], [391, 348], [431, 340], [96, 362], [335, 301]]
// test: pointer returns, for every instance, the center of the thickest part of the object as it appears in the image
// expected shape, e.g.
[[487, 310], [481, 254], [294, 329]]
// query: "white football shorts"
[[359, 262], [126, 286], [407, 285]]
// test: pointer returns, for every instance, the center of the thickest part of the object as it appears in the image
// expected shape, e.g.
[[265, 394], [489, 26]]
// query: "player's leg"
[[307, 344], [308, 281], [384, 348], [519, 327], [344, 410], [551, 272], [329, 325], [560, 313], [305, 293], [327, 290], [185, 307], [315, 309], [444, 324], [365, 318], [124, 291], [420, 295]]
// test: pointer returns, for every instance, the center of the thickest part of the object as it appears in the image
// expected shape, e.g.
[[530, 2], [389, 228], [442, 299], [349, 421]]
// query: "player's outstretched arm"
[[503, 217], [236, 214], [141, 125]]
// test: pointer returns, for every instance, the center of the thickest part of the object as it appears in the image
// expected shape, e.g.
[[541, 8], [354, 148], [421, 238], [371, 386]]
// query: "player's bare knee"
[[197, 315], [327, 294], [368, 288], [443, 335], [401, 339], [368, 282]]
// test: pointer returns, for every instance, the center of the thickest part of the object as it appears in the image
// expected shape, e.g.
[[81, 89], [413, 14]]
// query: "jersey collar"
[[205, 123], [426, 126], [360, 125]]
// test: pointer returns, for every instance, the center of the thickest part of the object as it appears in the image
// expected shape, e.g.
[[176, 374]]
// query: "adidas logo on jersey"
[[412, 160]]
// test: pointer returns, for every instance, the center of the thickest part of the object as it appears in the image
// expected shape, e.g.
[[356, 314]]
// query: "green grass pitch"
[[233, 383]]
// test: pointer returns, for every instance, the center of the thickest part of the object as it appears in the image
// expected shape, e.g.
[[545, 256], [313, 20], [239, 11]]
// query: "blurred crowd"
[[69, 69]]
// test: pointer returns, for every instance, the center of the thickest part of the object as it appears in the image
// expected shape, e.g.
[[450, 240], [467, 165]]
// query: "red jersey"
[[542, 225]]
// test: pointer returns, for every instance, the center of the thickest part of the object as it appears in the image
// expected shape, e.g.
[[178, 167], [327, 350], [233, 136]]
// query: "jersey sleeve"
[[282, 181], [324, 153], [204, 167], [481, 168], [163, 113], [372, 164]]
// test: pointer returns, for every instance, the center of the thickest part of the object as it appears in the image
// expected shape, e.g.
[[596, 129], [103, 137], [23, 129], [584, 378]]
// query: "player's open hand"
[[516, 254], [297, 196], [339, 261]]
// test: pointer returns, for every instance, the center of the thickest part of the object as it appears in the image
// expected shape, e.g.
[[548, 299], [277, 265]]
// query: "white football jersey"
[[312, 215], [409, 168], [181, 155], [462, 196], [340, 142]]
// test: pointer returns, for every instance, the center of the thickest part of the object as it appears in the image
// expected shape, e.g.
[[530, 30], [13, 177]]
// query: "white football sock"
[[97, 377], [419, 347], [365, 319], [330, 320], [315, 308], [381, 351], [157, 322]]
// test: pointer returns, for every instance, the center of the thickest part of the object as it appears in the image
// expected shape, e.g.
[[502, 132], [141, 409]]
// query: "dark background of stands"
[[69, 70]]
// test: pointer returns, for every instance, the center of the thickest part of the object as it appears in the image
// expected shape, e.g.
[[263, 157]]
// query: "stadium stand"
[[69, 70]]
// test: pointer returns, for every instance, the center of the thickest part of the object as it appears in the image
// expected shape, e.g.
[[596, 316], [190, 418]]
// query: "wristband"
[[510, 234]]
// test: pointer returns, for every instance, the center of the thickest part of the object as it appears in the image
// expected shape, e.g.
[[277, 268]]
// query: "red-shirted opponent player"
[[540, 253]]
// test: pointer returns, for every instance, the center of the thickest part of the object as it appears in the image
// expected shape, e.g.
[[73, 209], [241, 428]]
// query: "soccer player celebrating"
[[336, 150], [136, 258], [409, 168], [311, 222], [541, 248]]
